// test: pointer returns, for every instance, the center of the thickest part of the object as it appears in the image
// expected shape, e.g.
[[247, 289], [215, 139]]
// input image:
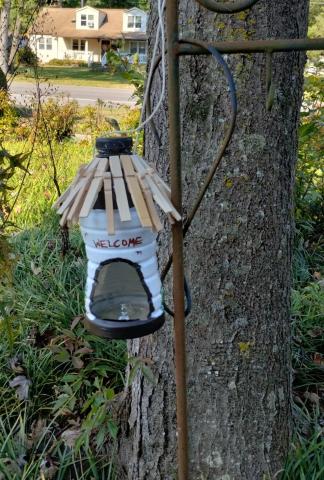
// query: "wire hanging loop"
[[233, 100], [220, 7], [269, 81]]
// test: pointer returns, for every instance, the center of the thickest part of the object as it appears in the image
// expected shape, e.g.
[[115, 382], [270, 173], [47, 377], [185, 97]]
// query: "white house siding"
[[58, 44], [134, 12]]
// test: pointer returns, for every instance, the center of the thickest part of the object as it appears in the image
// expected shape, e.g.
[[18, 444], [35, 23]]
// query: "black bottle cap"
[[114, 146]]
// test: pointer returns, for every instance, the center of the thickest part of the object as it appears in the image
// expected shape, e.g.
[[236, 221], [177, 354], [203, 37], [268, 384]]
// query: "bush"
[[67, 62], [8, 116], [57, 120], [26, 56]]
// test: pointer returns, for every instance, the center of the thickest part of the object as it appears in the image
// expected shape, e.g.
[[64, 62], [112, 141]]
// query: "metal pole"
[[177, 235], [253, 46]]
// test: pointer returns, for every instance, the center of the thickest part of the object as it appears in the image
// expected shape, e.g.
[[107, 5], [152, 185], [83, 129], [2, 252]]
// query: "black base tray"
[[115, 329]]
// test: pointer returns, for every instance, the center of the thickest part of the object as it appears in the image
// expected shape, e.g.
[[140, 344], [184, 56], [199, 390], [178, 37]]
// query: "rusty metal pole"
[[177, 235]]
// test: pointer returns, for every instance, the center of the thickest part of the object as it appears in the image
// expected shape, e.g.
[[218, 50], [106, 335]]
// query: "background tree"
[[238, 262], [16, 16], [107, 3]]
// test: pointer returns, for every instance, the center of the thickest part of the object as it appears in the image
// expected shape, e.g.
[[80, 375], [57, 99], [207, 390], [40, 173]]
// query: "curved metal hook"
[[220, 7], [188, 301], [229, 77]]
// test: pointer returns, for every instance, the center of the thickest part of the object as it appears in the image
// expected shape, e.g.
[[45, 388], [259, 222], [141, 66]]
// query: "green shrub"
[[26, 56], [57, 119], [66, 62]]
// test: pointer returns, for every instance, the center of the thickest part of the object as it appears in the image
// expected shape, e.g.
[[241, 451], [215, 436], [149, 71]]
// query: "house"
[[87, 33]]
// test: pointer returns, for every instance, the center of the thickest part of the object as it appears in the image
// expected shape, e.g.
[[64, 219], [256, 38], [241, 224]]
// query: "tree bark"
[[4, 36], [238, 262]]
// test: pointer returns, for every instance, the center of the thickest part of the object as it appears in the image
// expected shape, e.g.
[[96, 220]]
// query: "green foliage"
[[66, 423], [143, 4], [26, 56], [306, 459], [66, 62], [136, 77], [57, 119], [38, 192]]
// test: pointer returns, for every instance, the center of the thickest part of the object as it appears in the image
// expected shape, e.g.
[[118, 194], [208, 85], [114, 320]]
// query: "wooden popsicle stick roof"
[[126, 181]]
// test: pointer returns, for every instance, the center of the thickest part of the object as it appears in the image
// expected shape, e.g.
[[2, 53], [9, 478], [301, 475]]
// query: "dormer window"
[[87, 21], [134, 21]]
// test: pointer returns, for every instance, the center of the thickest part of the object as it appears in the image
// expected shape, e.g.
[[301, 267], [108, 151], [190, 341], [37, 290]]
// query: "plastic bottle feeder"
[[113, 199]]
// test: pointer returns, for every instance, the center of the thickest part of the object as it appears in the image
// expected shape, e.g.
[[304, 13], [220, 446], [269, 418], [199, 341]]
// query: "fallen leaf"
[[48, 468], [70, 436], [75, 321], [83, 351], [15, 364], [38, 430], [21, 384], [36, 270], [77, 362], [318, 359]]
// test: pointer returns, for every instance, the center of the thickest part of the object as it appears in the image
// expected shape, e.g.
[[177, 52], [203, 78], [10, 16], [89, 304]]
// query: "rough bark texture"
[[4, 36], [238, 263]]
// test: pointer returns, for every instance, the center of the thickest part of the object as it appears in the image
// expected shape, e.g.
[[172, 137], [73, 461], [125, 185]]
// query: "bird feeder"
[[113, 200]]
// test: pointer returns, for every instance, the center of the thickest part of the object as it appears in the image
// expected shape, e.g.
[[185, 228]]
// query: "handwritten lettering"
[[124, 242]]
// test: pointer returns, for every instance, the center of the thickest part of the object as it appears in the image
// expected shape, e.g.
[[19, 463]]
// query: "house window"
[[78, 45], [134, 21], [133, 47], [87, 20], [48, 44], [41, 43], [141, 48], [91, 21]]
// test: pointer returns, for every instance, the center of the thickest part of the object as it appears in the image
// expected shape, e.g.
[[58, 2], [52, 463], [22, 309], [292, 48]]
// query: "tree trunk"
[[4, 36], [238, 262]]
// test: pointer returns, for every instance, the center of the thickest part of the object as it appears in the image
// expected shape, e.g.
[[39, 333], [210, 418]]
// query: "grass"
[[74, 377], [65, 427], [78, 76]]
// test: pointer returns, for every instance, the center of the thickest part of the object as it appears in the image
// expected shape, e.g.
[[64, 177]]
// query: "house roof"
[[60, 22]]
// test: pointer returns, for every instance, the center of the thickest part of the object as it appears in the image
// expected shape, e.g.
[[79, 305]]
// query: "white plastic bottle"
[[123, 288]]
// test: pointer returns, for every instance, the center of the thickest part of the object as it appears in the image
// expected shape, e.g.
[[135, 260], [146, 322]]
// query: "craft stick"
[[144, 167], [109, 204], [63, 219], [72, 195], [135, 191], [161, 199], [166, 199], [91, 196], [161, 184], [138, 165], [93, 164], [115, 167], [119, 188], [150, 204], [102, 166], [74, 212], [127, 165], [139, 201]]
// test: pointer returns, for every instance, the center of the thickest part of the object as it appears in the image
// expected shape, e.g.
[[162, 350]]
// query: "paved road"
[[23, 93]]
